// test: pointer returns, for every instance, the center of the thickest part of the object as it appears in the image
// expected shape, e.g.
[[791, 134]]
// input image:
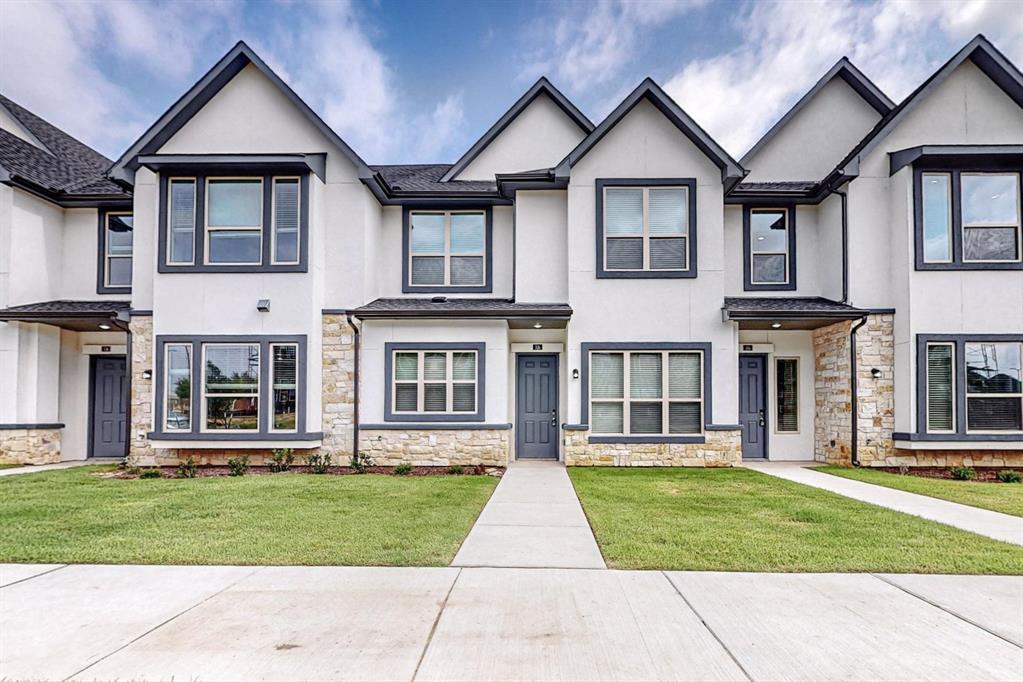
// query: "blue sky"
[[420, 82]]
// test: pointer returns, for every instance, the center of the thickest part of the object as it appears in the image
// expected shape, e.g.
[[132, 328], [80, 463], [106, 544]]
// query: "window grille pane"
[[645, 375], [119, 235], [625, 254], [464, 366], [993, 368], [623, 211], [787, 387], [990, 243], [990, 199], [937, 207], [286, 221], [467, 232], [607, 375], [667, 211], [435, 366], [466, 270], [428, 270], [464, 397], [179, 388], [940, 391], [405, 398], [285, 387], [232, 369], [685, 374], [119, 271], [234, 203], [427, 232], [406, 366], [286, 247], [768, 232], [684, 418], [182, 220], [667, 254], [435, 397], [232, 413], [645, 418], [768, 269], [994, 414], [231, 246], [606, 418]]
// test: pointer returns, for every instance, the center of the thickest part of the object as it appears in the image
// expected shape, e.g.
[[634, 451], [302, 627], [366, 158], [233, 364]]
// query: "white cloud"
[[787, 46]]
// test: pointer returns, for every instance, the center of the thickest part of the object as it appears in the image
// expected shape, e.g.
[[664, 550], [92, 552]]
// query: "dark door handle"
[[554, 418], [761, 418]]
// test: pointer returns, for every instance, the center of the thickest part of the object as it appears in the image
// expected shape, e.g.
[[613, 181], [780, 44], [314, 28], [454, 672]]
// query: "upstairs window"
[[234, 220], [116, 235], [968, 220], [447, 251], [645, 228], [769, 241]]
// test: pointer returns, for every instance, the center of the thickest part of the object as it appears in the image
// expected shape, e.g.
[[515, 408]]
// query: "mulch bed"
[[984, 474], [217, 470]]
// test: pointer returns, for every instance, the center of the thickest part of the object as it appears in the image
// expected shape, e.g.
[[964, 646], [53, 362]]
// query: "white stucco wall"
[[539, 137], [541, 246]]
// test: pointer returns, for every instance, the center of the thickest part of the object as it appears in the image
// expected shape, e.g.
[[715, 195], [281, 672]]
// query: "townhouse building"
[[623, 293]]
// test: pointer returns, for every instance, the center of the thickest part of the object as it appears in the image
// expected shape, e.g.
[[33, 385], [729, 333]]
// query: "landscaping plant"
[[456, 470], [238, 465], [403, 469], [189, 468], [150, 473], [963, 473], [281, 460], [318, 464], [360, 462], [1008, 476]]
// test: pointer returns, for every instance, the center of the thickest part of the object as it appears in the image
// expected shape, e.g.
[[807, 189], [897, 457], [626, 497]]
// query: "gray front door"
[[752, 406], [109, 407], [536, 422]]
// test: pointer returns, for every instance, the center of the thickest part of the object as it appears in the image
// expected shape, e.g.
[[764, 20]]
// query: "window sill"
[[645, 439], [646, 274], [434, 426], [164, 268], [424, 289], [920, 266], [229, 440], [769, 287], [953, 441]]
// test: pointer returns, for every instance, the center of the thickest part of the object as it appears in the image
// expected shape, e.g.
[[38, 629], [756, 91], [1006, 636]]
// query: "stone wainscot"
[[721, 449]]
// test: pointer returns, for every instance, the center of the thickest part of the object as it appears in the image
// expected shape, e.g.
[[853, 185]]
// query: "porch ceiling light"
[[775, 325], [104, 327], [537, 325]]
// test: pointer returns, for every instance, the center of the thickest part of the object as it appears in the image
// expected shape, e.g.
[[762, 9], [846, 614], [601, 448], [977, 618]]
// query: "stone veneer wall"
[[721, 449], [436, 447], [338, 377], [952, 458], [141, 402], [29, 446]]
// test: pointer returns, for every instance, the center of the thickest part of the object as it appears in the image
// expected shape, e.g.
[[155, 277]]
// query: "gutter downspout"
[[845, 243], [854, 416], [355, 392]]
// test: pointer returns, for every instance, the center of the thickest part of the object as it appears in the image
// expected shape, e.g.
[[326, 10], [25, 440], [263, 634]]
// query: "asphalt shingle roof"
[[468, 307], [66, 307], [778, 185], [789, 304], [427, 178]]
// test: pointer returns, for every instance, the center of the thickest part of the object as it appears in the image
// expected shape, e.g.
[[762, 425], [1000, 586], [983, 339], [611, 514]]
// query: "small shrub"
[[318, 464], [150, 473], [281, 460], [238, 465], [131, 465], [456, 470], [1009, 476], [189, 468], [403, 469], [360, 462], [964, 473]]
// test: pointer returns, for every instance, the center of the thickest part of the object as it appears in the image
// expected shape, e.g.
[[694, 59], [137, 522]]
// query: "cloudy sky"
[[421, 81]]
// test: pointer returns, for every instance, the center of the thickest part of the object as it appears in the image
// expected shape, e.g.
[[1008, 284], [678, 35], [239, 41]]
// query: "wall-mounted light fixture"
[[263, 305], [575, 374], [875, 372], [147, 374]]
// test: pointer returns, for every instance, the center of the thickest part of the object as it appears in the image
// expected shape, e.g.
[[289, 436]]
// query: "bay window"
[[447, 251], [434, 382]]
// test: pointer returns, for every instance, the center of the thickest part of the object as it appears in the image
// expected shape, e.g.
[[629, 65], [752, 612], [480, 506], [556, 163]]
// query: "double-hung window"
[[116, 232], [968, 219], [447, 250], [770, 245], [234, 221], [230, 387], [646, 228], [177, 397], [646, 392], [439, 382]]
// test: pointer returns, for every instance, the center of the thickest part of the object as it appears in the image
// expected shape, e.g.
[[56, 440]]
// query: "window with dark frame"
[[769, 248], [787, 393], [447, 248], [434, 381], [118, 232], [646, 228]]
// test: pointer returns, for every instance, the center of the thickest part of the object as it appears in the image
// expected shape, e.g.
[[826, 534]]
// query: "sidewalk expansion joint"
[[436, 622]]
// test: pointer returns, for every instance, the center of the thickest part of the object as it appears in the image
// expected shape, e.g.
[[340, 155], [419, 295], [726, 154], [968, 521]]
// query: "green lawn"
[[1000, 497], [742, 520], [74, 516], [9, 466]]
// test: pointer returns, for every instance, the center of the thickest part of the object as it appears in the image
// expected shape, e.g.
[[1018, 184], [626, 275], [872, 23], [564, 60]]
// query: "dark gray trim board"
[[488, 284], [101, 250], [955, 173], [747, 277], [1007, 156], [959, 382], [708, 387], [691, 241], [295, 164], [435, 426], [541, 87], [20, 427], [481, 383], [265, 398], [199, 243]]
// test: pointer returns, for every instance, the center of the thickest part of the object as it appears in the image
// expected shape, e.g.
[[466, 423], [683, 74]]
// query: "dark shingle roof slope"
[[427, 178], [460, 307], [66, 307], [65, 169], [778, 185], [781, 305]]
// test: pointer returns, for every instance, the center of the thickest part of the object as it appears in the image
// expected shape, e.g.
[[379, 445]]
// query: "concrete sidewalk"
[[533, 520], [36, 468], [994, 525], [329, 623]]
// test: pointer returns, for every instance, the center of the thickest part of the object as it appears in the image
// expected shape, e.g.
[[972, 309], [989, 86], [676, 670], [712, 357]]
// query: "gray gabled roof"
[[541, 87], [497, 308], [427, 177], [843, 69], [240, 56], [731, 171]]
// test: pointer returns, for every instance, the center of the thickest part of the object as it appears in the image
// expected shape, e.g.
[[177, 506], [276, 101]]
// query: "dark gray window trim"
[[22, 427], [708, 386], [263, 433], [199, 247], [959, 344], [434, 426], [101, 251], [488, 285], [481, 383], [957, 263], [690, 272], [747, 283]]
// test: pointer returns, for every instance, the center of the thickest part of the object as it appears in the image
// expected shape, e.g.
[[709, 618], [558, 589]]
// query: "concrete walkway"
[[533, 520], [1002, 527], [330, 623], [36, 468]]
